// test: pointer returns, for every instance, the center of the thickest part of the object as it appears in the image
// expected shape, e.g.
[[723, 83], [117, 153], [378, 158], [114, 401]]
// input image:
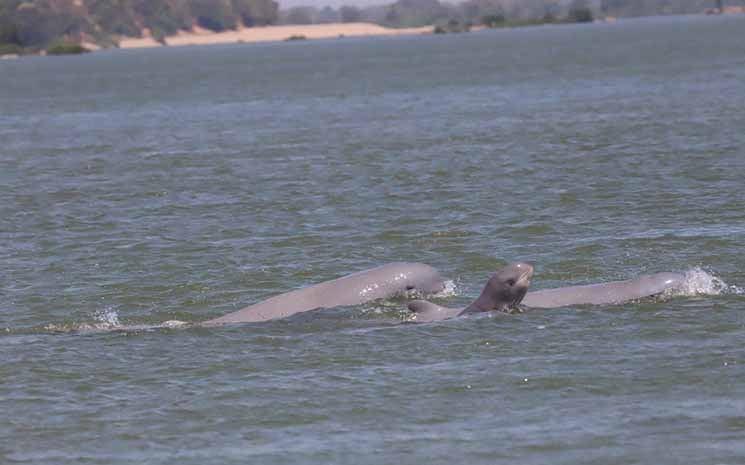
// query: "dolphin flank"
[[354, 289]]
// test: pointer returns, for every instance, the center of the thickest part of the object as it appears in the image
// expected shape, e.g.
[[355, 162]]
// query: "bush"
[[350, 14], [452, 26], [8, 33], [496, 20], [580, 15], [295, 37], [256, 12], [10, 49], [66, 48], [215, 15]]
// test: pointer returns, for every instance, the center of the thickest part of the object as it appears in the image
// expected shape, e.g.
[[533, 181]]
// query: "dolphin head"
[[424, 279], [505, 289]]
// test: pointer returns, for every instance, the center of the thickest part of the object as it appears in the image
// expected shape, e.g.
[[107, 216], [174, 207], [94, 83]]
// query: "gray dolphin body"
[[593, 294], [377, 283], [613, 292]]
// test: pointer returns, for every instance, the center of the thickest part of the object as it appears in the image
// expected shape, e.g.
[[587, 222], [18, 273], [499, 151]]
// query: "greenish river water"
[[143, 186]]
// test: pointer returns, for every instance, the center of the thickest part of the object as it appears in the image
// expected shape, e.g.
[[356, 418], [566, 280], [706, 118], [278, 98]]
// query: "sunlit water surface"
[[144, 186]]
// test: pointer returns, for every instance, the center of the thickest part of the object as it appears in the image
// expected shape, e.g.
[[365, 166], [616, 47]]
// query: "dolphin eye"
[[511, 282]]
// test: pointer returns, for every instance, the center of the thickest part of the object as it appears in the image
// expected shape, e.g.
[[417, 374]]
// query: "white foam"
[[107, 318], [698, 281], [449, 289], [172, 324]]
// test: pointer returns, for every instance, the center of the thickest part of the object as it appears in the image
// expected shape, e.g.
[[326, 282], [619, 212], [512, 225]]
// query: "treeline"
[[38, 23], [494, 13], [413, 13]]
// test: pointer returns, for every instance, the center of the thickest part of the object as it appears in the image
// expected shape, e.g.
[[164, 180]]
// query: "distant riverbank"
[[201, 36]]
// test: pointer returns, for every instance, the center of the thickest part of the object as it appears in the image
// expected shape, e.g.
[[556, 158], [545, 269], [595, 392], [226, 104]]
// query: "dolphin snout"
[[525, 270]]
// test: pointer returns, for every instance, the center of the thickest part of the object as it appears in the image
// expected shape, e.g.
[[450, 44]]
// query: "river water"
[[144, 186]]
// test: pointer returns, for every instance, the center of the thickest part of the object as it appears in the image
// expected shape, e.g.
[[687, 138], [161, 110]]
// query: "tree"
[[412, 13], [350, 14], [38, 24], [328, 15], [162, 17], [215, 15], [579, 12], [114, 16], [256, 12], [487, 12], [300, 15]]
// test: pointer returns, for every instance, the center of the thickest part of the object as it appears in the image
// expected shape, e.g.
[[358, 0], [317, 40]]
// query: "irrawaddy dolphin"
[[503, 284], [377, 283]]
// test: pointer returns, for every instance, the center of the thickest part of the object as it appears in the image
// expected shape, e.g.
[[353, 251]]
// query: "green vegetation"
[[414, 13], [579, 12], [10, 49], [35, 25], [580, 15], [491, 13], [295, 37], [451, 27], [29, 26], [494, 20], [446, 17], [66, 48]]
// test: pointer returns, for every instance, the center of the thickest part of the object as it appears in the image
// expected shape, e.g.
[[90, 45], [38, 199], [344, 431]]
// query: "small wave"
[[106, 320], [698, 281]]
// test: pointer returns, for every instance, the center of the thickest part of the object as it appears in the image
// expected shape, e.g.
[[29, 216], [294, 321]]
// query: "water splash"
[[106, 318], [698, 281], [173, 324], [449, 290]]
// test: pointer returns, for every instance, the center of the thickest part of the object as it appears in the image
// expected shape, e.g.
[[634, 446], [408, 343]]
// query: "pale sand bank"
[[273, 33]]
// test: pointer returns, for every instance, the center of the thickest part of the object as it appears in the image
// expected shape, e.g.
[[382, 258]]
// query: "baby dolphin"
[[503, 292]]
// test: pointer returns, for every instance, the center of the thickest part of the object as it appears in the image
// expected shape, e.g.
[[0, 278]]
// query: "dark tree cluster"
[[493, 13], [34, 24]]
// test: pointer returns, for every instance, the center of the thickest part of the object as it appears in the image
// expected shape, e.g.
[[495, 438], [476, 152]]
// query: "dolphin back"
[[605, 293], [377, 283], [425, 312]]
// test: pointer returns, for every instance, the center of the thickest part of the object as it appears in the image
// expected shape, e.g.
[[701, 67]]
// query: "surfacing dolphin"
[[377, 283], [593, 294], [503, 292]]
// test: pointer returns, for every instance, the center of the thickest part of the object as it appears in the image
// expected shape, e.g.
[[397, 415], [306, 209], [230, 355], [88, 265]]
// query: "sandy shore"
[[274, 33]]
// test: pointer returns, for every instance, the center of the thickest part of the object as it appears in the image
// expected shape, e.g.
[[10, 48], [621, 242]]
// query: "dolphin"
[[503, 292], [377, 283], [614, 292]]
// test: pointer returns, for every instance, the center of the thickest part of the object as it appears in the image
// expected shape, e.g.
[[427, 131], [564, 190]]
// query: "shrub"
[[10, 49], [350, 14], [493, 20], [66, 48], [580, 15]]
